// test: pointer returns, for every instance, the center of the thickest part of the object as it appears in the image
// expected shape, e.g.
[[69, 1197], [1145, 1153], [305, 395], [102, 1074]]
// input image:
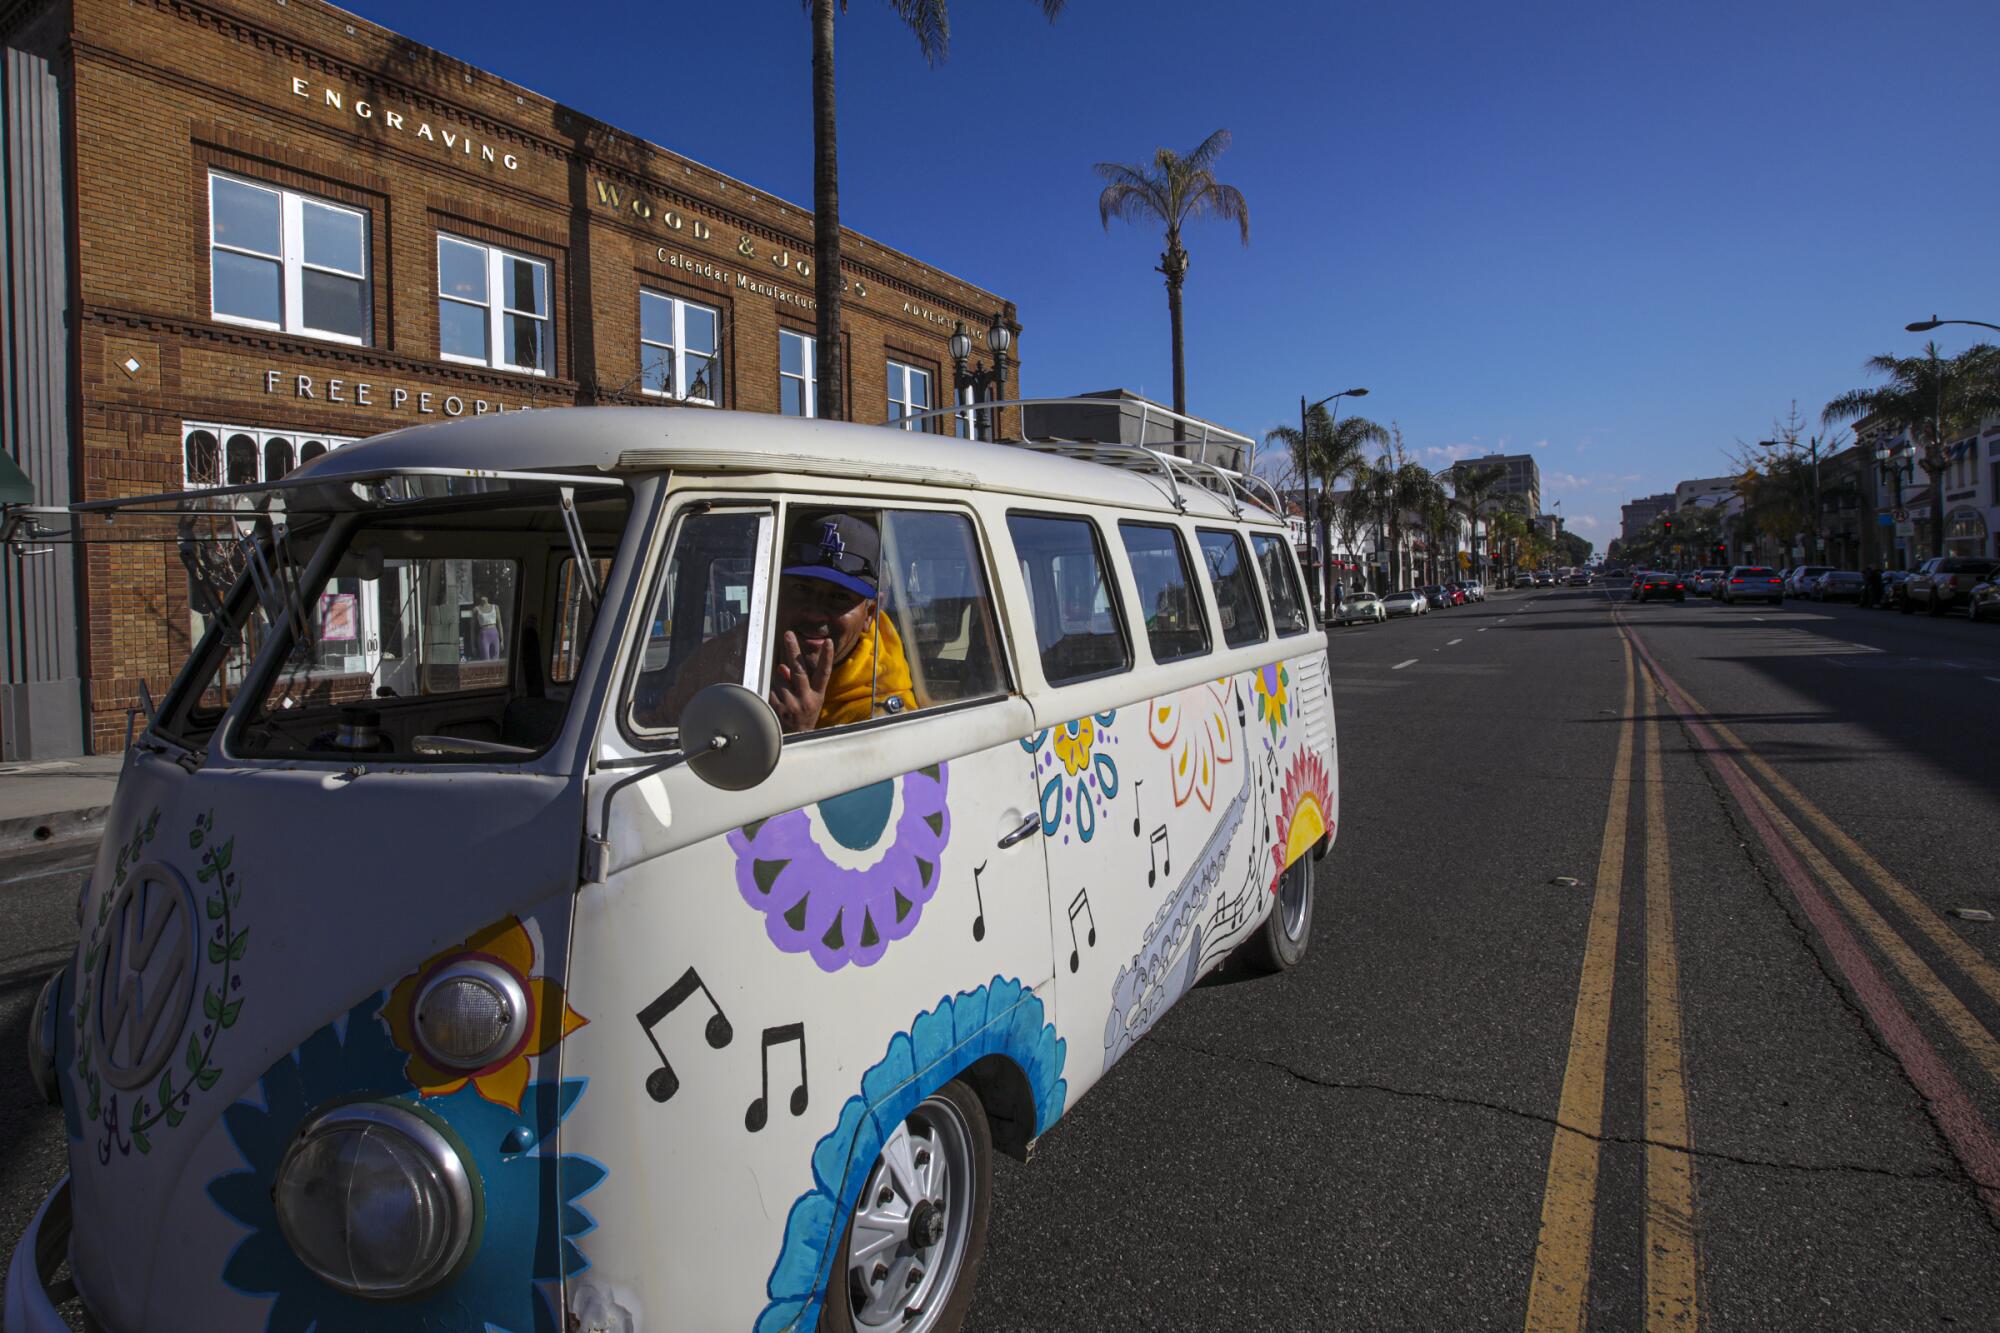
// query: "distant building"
[[1635, 515], [1519, 475], [1703, 492]]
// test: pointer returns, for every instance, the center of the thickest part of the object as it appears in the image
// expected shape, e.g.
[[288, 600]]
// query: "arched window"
[[310, 450], [202, 458], [277, 457], [242, 457]]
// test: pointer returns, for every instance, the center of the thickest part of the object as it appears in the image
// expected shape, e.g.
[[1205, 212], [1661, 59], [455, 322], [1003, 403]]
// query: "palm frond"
[[1203, 157], [1133, 202], [930, 20], [1225, 202]]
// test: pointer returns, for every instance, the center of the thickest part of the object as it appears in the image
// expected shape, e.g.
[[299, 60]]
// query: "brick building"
[[237, 236]]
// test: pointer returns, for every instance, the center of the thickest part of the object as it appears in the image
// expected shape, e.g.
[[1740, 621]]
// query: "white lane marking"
[[1484, 628], [1400, 665], [1454, 641]]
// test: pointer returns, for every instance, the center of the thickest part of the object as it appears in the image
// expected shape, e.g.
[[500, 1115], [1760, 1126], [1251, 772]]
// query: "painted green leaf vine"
[[221, 1005]]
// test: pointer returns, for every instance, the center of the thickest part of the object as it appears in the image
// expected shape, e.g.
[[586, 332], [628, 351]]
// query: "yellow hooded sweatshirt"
[[868, 678]]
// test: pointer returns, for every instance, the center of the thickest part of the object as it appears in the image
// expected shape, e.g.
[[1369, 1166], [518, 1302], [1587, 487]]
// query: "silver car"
[[1406, 602]]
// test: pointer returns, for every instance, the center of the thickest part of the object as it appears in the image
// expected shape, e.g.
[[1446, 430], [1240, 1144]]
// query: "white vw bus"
[[617, 869]]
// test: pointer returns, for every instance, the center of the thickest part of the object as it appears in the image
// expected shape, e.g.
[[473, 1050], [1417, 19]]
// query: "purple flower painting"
[[841, 879]]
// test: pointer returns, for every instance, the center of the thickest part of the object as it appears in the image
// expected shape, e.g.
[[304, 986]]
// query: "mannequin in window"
[[486, 619]]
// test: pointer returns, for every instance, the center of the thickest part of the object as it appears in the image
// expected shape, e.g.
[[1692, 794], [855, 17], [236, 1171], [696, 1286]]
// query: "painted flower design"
[[1072, 745], [1305, 812], [550, 1019], [841, 879], [1193, 728], [1076, 776], [1270, 685], [1002, 1017], [533, 1217]]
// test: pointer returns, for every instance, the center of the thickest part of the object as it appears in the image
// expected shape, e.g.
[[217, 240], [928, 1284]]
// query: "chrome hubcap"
[[907, 1245], [1293, 893]]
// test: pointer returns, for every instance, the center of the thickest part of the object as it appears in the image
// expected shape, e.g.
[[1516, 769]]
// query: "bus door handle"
[[1026, 830]]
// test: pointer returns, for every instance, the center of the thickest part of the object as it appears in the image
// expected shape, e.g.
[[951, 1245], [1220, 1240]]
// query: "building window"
[[909, 391], [677, 349], [214, 455], [798, 376], [286, 261], [493, 307]]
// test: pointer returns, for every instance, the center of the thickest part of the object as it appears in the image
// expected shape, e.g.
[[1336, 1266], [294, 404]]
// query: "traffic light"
[[1668, 524]]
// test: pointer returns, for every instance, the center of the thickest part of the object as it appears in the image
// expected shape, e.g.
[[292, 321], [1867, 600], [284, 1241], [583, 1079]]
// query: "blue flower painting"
[[533, 1218], [1002, 1017]]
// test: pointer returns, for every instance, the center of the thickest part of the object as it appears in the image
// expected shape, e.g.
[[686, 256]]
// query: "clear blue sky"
[[1625, 237]]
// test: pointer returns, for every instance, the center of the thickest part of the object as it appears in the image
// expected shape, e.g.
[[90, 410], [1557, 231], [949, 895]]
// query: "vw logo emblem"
[[148, 977]]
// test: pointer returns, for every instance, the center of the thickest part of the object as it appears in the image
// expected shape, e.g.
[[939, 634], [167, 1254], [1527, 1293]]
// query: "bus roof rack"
[[1162, 463]]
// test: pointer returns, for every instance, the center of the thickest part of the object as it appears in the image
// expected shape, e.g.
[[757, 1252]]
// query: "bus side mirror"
[[731, 737]]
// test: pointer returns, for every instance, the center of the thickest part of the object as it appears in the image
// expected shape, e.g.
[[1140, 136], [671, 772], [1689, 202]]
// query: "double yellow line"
[[1558, 1298]]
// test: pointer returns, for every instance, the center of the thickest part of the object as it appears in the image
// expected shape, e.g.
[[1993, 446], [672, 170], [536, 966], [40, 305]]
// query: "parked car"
[[1406, 602], [1983, 600], [1361, 608], [1435, 594], [1704, 582], [1838, 585], [1798, 581], [1475, 590], [1753, 583], [1653, 586], [1945, 582]]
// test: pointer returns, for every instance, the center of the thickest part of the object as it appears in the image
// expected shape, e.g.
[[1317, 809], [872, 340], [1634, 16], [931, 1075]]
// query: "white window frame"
[[904, 405], [679, 308], [223, 433], [291, 240], [809, 346], [496, 307]]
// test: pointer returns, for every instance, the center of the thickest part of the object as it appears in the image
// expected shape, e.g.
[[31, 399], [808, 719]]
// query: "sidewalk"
[[55, 800]]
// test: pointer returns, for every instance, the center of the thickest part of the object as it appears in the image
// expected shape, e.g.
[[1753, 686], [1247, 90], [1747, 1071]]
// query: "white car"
[[1799, 582], [1361, 608], [1406, 602], [1475, 590]]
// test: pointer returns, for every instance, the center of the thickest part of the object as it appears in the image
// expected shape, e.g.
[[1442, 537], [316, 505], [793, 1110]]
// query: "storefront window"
[[218, 455], [282, 260], [909, 391], [798, 375], [493, 307], [677, 349]]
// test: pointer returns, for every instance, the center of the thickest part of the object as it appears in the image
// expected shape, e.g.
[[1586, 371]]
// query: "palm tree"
[[930, 20], [1440, 518], [1327, 451], [1933, 398], [1473, 489], [1173, 189]]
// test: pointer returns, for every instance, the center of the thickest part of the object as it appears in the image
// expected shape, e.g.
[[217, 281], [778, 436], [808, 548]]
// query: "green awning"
[[15, 488]]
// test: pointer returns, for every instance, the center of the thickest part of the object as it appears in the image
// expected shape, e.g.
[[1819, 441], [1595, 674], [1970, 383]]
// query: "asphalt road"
[[1740, 1073], [1367, 1141]]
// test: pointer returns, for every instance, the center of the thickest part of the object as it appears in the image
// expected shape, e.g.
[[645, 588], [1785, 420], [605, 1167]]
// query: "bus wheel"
[[1281, 942], [911, 1253]]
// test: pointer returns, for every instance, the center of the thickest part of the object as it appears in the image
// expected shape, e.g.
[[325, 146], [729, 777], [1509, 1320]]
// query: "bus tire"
[[1280, 943], [922, 1251]]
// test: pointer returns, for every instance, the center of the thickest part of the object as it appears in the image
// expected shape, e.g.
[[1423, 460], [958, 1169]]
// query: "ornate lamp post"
[[1895, 466], [1318, 538], [990, 385]]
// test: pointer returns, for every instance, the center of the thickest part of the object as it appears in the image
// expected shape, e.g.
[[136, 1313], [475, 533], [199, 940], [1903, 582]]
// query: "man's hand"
[[798, 682]]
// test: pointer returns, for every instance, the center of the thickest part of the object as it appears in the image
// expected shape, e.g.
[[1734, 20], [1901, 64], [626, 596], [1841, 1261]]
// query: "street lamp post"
[[1934, 459], [983, 382], [1318, 533], [1813, 443], [1894, 466]]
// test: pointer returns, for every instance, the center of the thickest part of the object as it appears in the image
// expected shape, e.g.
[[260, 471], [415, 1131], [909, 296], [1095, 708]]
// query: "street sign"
[[1902, 515]]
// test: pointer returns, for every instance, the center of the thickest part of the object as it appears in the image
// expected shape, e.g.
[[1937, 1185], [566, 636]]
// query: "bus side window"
[[1175, 626], [1236, 599], [1076, 618], [697, 627], [934, 590], [1288, 608]]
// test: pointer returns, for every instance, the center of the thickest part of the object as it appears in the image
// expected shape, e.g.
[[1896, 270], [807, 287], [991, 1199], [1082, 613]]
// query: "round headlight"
[[470, 1013], [42, 1041], [377, 1199]]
